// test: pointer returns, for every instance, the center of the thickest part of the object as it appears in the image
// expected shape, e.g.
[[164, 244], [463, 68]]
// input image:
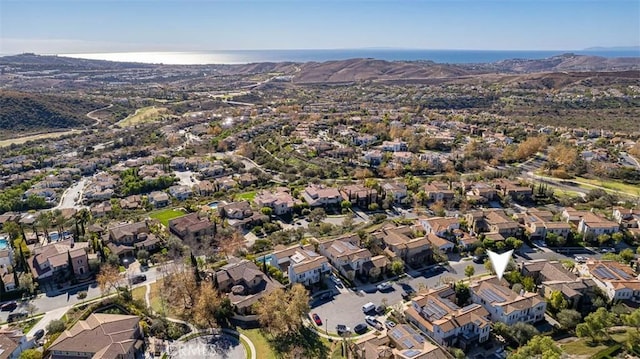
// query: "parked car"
[[14, 317], [137, 279], [9, 306], [390, 324], [380, 309], [336, 280], [316, 319], [480, 258], [342, 329], [368, 307], [38, 334], [384, 286], [372, 321], [360, 328]]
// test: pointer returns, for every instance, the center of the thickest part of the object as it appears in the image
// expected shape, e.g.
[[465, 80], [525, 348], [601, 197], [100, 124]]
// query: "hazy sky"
[[52, 26]]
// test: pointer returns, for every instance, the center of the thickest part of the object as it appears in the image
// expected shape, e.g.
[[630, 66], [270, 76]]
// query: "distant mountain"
[[615, 48], [21, 111]]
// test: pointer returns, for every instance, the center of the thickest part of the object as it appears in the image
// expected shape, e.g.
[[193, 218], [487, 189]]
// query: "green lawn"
[[145, 114], [263, 350], [165, 215], [610, 184], [583, 347], [139, 293], [248, 196]]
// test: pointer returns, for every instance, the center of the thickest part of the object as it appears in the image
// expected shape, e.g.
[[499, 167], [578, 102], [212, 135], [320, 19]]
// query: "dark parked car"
[[9, 306], [14, 317], [380, 309], [342, 329], [479, 259], [138, 279], [360, 328], [38, 334]]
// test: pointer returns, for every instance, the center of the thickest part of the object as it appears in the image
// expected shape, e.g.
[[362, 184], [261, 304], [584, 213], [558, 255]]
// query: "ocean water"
[[253, 56]]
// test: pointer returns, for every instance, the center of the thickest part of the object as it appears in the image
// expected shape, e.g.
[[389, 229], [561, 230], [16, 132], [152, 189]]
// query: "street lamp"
[[326, 325]]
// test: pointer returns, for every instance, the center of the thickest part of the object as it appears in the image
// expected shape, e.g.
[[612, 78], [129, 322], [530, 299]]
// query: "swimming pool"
[[213, 205], [4, 242]]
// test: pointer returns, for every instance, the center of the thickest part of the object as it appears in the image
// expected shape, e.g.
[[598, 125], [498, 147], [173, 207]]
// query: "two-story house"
[[54, 258], [279, 200], [192, 226], [438, 191], [345, 255], [124, 239], [395, 190], [435, 313], [318, 195], [359, 195], [614, 278], [506, 306], [440, 226], [301, 264], [180, 193], [403, 243], [552, 276]]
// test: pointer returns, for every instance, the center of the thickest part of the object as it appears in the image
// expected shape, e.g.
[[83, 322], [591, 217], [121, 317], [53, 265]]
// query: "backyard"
[[167, 214], [583, 346]]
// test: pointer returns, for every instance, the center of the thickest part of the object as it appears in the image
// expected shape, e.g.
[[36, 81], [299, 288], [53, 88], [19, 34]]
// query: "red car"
[[316, 318]]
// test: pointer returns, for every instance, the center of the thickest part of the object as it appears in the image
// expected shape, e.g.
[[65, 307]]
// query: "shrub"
[[82, 295], [56, 326]]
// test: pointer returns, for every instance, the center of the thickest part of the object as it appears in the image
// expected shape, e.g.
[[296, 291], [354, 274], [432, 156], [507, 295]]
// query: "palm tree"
[[83, 216], [44, 222], [59, 221]]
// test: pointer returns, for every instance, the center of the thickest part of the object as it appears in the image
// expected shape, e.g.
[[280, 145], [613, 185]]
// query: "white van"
[[369, 307]]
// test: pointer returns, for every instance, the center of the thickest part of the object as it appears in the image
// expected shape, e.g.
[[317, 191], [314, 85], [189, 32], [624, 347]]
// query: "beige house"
[[505, 305], [53, 258], [403, 243], [346, 256]]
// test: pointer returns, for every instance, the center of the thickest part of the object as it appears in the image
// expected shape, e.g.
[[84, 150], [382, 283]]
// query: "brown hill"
[[21, 111]]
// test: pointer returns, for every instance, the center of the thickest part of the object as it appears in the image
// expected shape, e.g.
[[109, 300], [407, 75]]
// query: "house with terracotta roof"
[[505, 305], [359, 195], [627, 218], [53, 258], [439, 225], [192, 226], [244, 283], [435, 313], [301, 264], [403, 243], [124, 239], [105, 336], [346, 255], [279, 200], [552, 276], [12, 343], [401, 342], [492, 221], [319, 195], [619, 281], [593, 225], [438, 191], [538, 225], [395, 190]]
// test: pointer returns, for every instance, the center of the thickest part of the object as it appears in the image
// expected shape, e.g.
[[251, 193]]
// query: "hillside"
[[21, 111]]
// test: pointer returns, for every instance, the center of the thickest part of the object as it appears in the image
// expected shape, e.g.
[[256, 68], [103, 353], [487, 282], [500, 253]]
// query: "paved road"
[[71, 196], [187, 178], [209, 346], [48, 317]]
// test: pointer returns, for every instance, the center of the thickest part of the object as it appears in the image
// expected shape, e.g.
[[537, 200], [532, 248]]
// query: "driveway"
[[48, 317], [210, 346]]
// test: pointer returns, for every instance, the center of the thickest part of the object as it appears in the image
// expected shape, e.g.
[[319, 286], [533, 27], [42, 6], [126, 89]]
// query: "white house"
[[505, 305]]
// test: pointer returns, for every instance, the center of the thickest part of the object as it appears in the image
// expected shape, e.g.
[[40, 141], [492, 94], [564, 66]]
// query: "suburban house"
[[124, 239], [436, 314], [158, 199], [614, 278], [572, 215], [53, 258], [101, 335], [394, 146], [395, 190], [593, 225], [359, 195], [8, 278], [280, 200], [553, 276], [627, 218], [318, 195], [505, 305], [373, 157], [403, 243], [438, 191], [12, 343], [401, 342], [346, 256], [483, 190], [512, 189], [301, 264], [204, 188], [440, 226], [6, 255], [538, 224], [180, 193], [192, 227], [244, 283], [439, 243], [492, 221], [236, 210]]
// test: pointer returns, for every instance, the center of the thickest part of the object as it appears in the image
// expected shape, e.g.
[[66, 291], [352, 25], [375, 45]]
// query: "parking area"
[[345, 307]]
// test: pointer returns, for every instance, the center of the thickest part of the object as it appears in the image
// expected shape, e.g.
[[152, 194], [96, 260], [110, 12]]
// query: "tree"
[[462, 293], [529, 284], [345, 204], [267, 211], [632, 319], [13, 229], [523, 332], [538, 347], [211, 309], [282, 312], [317, 215], [627, 255], [397, 267], [196, 272], [56, 326], [569, 318], [479, 251], [469, 271], [108, 278], [31, 354], [557, 301], [27, 283], [596, 324]]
